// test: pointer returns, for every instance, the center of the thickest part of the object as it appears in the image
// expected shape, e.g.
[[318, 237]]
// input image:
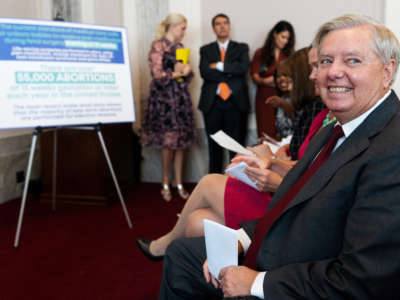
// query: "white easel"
[[35, 135]]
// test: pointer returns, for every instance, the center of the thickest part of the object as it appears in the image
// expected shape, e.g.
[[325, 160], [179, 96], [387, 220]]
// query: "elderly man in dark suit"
[[224, 99], [333, 228]]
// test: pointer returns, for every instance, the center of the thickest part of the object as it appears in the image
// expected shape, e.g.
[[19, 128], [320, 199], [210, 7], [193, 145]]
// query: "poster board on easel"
[[63, 74], [57, 74]]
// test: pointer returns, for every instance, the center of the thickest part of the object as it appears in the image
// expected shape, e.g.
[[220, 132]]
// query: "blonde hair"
[[171, 19], [385, 43]]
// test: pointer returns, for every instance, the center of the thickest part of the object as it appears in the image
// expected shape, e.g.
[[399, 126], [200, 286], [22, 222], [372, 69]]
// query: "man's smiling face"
[[351, 76]]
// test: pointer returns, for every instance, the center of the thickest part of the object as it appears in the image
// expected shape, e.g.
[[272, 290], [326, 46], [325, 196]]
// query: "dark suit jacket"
[[340, 236], [236, 66]]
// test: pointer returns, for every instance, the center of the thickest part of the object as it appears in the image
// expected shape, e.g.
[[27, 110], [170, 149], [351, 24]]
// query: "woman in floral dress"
[[169, 122]]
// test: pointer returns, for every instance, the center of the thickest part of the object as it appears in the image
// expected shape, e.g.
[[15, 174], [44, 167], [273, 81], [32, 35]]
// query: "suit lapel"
[[231, 47], [356, 143], [350, 148], [215, 54]]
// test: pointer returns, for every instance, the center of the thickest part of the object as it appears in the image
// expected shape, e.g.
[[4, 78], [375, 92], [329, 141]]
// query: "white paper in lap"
[[221, 246], [275, 146], [238, 171]]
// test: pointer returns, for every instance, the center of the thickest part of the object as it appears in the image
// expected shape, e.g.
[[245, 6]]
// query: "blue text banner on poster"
[[63, 74], [28, 42]]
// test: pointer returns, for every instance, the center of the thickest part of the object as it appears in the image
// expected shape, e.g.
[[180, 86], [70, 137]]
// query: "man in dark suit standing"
[[333, 228], [224, 99]]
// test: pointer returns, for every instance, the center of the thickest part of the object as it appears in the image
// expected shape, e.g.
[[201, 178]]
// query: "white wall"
[[251, 20], [18, 9], [391, 19], [108, 12], [193, 40], [88, 11]]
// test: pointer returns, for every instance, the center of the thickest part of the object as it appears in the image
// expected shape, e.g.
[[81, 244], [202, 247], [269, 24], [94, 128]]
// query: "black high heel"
[[144, 246]]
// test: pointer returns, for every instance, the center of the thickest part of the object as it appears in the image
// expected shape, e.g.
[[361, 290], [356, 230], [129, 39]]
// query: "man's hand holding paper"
[[221, 246], [222, 261]]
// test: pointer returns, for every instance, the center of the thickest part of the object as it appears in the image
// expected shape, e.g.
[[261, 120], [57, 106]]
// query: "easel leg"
[[26, 185], [114, 178]]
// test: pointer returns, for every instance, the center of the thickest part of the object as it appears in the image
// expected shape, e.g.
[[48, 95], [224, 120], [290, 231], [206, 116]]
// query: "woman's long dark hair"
[[267, 51], [297, 67]]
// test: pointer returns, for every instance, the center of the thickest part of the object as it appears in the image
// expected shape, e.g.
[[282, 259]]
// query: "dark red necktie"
[[269, 218]]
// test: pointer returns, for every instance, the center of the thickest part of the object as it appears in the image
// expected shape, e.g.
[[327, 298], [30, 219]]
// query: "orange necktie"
[[224, 90]]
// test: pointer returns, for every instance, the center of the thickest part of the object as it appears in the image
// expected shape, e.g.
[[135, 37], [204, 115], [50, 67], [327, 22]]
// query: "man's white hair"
[[385, 43]]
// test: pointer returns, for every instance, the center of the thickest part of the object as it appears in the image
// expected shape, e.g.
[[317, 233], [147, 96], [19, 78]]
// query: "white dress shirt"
[[220, 64]]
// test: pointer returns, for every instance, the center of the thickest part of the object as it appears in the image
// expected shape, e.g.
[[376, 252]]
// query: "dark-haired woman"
[[277, 47]]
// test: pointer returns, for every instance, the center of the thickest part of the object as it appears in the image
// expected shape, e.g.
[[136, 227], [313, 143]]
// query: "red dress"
[[243, 203], [265, 113]]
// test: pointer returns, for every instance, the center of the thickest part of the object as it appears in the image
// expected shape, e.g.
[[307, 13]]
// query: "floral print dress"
[[169, 120]]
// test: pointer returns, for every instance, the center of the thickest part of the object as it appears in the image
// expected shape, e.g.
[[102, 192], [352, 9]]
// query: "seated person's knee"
[[195, 226]]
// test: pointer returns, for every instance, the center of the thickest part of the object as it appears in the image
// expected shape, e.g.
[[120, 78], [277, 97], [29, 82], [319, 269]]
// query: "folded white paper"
[[238, 171], [274, 146], [221, 246], [225, 141]]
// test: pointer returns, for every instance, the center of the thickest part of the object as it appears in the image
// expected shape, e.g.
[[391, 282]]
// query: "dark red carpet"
[[83, 252]]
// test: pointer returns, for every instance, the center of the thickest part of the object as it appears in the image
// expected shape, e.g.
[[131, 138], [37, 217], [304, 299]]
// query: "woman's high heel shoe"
[[182, 192], [144, 246], [166, 192]]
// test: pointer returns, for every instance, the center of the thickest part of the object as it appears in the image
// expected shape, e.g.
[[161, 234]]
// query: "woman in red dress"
[[227, 200], [277, 47]]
